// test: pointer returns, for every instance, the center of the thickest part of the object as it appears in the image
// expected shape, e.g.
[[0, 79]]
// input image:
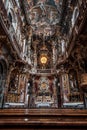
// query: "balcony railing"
[[45, 71]]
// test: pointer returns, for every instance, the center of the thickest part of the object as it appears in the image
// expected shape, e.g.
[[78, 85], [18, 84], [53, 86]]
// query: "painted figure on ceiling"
[[42, 1], [30, 3], [56, 1]]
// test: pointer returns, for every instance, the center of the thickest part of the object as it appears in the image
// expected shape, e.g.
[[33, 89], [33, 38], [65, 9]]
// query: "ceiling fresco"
[[43, 15]]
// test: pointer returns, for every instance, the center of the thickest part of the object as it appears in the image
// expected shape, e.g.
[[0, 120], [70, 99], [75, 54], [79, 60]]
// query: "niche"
[[73, 83]]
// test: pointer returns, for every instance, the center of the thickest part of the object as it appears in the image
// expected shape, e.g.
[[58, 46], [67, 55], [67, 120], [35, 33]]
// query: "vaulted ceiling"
[[43, 16], [46, 16]]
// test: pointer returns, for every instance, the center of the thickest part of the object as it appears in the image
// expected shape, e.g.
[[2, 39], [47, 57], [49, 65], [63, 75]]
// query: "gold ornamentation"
[[43, 59]]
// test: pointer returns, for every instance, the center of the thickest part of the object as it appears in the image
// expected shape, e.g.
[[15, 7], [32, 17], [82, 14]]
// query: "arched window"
[[75, 15], [10, 17]]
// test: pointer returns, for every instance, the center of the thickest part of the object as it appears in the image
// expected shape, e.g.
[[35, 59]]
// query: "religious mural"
[[40, 19]]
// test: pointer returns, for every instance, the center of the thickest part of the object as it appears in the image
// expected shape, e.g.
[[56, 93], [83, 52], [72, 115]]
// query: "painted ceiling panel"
[[43, 15]]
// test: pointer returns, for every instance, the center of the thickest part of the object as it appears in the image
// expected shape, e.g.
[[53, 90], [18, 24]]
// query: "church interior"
[[43, 64]]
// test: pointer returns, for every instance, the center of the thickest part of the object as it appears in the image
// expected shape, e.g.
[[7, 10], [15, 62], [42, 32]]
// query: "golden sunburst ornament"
[[43, 59]]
